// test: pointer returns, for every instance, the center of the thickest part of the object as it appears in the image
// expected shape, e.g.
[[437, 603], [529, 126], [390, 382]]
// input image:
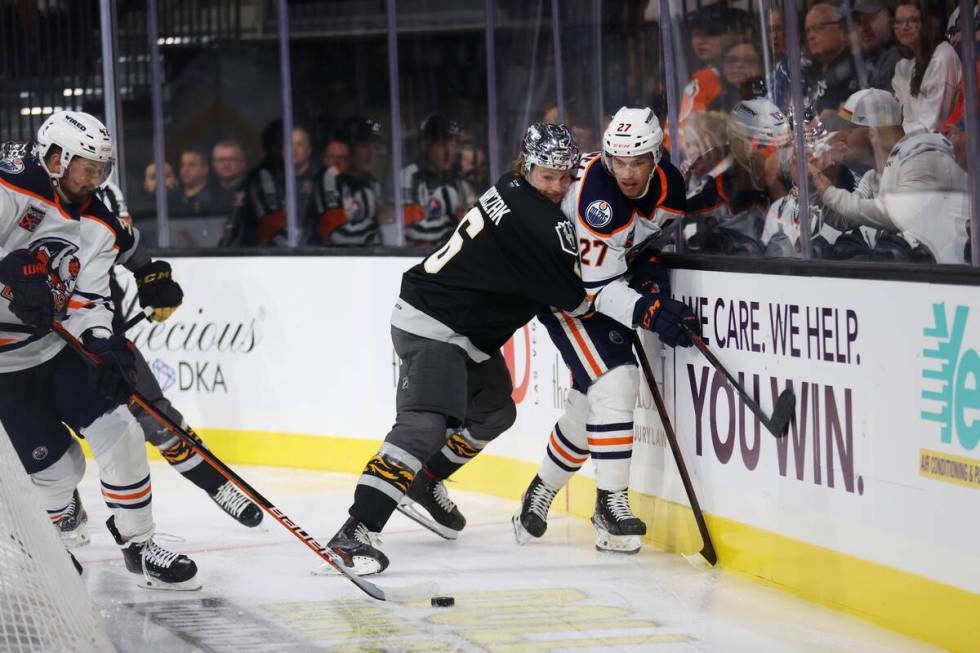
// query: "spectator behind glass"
[[954, 127], [927, 79], [831, 76], [150, 178], [336, 155], [921, 189], [473, 166], [197, 195], [306, 173], [260, 219], [228, 164], [741, 72], [434, 196], [778, 82], [875, 38], [348, 194]]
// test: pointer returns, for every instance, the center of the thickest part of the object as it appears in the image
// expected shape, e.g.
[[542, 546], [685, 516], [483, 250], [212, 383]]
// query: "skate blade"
[[520, 533], [627, 544], [189, 585], [363, 566], [75, 539], [407, 508]]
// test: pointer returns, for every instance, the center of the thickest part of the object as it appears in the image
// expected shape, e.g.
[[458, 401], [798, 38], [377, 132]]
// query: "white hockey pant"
[[116, 440]]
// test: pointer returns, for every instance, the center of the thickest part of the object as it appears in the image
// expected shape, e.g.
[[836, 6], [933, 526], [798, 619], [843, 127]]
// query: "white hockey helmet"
[[633, 132], [77, 134], [757, 127]]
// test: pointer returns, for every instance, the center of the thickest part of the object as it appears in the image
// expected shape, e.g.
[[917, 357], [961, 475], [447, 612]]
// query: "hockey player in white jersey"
[[624, 197], [56, 248]]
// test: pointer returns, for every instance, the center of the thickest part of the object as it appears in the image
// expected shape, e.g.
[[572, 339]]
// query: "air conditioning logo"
[[951, 394]]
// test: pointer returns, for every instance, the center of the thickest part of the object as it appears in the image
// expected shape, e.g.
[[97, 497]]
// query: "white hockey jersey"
[[609, 226], [77, 243]]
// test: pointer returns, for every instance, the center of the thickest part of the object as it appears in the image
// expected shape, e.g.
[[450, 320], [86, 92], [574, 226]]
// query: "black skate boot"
[[160, 569], [617, 528], [72, 524], [441, 516], [532, 520], [356, 545], [230, 499]]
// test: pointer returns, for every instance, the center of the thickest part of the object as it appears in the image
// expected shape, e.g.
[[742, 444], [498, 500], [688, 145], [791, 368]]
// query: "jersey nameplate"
[[599, 214], [494, 205]]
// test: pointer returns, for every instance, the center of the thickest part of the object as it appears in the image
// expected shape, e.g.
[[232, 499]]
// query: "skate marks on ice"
[[514, 621], [214, 625]]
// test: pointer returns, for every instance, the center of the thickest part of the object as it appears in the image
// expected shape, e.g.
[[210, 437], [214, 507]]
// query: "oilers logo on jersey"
[[12, 166], [598, 214]]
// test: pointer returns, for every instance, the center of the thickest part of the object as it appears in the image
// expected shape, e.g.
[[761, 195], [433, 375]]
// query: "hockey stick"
[[326, 554], [707, 549], [782, 411], [136, 319]]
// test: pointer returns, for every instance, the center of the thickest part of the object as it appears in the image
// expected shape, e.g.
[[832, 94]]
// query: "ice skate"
[[357, 546], [232, 501], [532, 520], [72, 525], [160, 569], [617, 528], [428, 504]]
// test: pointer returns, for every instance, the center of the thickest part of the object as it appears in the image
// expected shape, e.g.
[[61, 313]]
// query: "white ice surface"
[[555, 594]]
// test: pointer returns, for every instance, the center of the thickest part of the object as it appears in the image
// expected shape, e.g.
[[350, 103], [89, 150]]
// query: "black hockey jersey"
[[512, 254]]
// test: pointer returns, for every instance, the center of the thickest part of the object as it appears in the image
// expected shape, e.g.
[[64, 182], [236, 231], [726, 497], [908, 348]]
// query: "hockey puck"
[[443, 601]]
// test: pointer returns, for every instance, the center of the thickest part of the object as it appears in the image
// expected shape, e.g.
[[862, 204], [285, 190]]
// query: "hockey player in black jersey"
[[59, 242], [511, 254]]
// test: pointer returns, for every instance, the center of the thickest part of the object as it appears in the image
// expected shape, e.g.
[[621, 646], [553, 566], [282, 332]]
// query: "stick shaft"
[[136, 319], [323, 552], [746, 397], [707, 548]]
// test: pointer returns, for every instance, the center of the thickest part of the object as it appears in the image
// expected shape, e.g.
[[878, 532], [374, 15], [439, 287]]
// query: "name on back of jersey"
[[493, 204]]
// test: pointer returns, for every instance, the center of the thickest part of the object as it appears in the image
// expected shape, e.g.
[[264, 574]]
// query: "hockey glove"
[[26, 286], [649, 276], [664, 316], [156, 287], [115, 375]]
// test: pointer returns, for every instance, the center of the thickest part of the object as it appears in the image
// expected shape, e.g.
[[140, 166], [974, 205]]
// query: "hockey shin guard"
[[385, 480], [612, 400], [568, 447], [117, 444]]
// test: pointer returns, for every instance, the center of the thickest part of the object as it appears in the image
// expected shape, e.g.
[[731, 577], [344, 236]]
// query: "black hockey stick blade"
[[782, 413], [707, 548], [326, 554]]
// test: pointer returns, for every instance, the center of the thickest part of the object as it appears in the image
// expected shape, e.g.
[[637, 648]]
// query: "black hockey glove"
[[648, 275], [664, 316], [29, 293], [115, 375], [157, 288]]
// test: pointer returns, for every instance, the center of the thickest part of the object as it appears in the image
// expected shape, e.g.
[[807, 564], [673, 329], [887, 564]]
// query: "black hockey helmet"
[[437, 128], [357, 130]]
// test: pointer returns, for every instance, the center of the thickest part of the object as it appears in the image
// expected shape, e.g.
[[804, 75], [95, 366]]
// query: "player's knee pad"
[[118, 447], [489, 424], [418, 433], [58, 481], [612, 401], [384, 482], [461, 446], [568, 446]]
